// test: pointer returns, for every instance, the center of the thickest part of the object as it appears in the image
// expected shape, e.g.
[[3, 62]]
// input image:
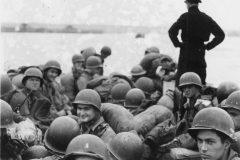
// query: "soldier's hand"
[[169, 77]]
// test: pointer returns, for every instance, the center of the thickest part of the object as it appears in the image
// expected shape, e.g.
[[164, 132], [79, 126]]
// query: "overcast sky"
[[115, 12]]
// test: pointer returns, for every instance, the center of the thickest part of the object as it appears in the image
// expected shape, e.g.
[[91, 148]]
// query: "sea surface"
[[19, 49]]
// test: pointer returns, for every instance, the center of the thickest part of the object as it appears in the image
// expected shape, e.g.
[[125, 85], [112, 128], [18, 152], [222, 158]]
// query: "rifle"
[[19, 105]]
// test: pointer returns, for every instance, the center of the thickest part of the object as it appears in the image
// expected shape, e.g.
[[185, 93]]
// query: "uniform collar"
[[232, 154], [193, 8], [96, 123]]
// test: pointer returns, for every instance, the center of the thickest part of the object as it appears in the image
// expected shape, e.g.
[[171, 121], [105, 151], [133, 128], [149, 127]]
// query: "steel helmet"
[[145, 84], [87, 52], [119, 91], [93, 62], [146, 62], [6, 85], [213, 118], [88, 96], [152, 50], [233, 101], [35, 152], [59, 134], [87, 145], [33, 72], [126, 146], [194, 1], [106, 50], [137, 71], [77, 58], [225, 89], [6, 113], [189, 78], [52, 64], [134, 98], [17, 81], [111, 75]]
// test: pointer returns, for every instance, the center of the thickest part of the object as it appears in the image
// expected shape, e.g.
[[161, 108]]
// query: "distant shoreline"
[[86, 29]]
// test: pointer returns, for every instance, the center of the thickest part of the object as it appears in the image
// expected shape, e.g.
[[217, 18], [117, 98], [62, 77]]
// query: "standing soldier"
[[213, 130], [196, 28], [52, 89], [88, 106]]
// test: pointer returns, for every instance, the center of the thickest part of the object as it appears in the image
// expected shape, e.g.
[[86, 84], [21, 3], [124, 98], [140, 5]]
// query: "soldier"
[[232, 106], [30, 103], [53, 90], [126, 146], [59, 135], [213, 130], [190, 84], [119, 92], [10, 148], [225, 89], [6, 91], [134, 99], [88, 106], [69, 81], [87, 52], [93, 70], [152, 49], [196, 28], [137, 72], [86, 147], [146, 85], [105, 52]]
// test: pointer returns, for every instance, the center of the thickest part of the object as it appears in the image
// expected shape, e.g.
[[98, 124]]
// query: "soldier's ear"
[[227, 144]]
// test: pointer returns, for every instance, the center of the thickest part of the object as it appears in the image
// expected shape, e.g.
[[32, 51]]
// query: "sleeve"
[[105, 132], [108, 135], [174, 29], [218, 33]]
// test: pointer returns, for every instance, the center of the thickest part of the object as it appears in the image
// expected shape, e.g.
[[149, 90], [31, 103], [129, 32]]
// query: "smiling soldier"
[[88, 106]]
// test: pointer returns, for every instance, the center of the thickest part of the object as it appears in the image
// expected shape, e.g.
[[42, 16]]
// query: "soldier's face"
[[86, 113], [32, 83], [78, 65], [52, 74], [190, 91], [235, 114], [210, 145]]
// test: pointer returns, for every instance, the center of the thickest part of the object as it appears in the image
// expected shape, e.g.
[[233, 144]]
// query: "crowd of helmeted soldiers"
[[85, 115]]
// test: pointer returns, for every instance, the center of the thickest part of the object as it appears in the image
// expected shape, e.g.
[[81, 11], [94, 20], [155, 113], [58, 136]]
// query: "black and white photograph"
[[120, 80]]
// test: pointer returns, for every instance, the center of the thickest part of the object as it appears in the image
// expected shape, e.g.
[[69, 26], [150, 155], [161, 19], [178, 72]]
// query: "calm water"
[[36, 48]]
